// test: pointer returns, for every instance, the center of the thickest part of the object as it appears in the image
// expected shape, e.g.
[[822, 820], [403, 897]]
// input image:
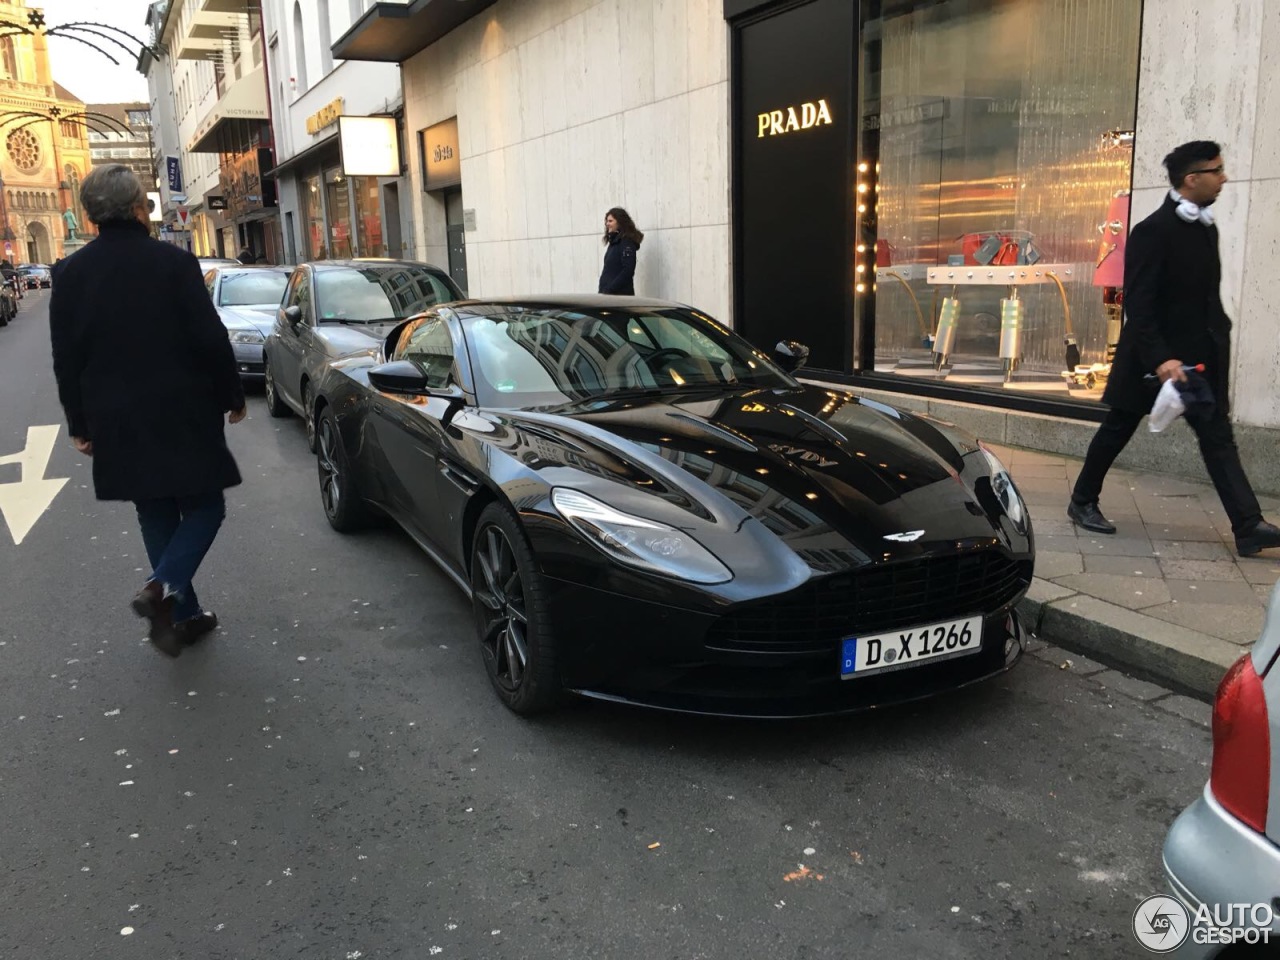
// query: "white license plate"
[[860, 656]]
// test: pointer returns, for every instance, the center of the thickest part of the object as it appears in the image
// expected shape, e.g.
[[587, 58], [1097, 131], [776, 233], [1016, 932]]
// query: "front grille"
[[817, 616]]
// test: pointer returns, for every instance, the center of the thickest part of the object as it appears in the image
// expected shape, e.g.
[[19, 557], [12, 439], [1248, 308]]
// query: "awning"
[[317, 151], [245, 100], [394, 32]]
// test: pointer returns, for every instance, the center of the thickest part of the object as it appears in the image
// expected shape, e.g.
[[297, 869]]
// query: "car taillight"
[[1241, 775]]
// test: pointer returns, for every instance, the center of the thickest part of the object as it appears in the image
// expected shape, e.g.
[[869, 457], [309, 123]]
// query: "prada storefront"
[[933, 195]]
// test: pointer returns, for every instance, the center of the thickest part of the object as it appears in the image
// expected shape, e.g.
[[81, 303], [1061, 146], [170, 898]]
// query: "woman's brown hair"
[[626, 226]]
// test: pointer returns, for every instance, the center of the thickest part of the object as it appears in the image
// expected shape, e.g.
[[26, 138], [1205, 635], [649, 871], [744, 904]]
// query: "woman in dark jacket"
[[145, 377], [622, 242]]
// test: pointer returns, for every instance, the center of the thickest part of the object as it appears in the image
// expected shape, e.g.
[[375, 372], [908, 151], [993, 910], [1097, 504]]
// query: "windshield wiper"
[[346, 322]]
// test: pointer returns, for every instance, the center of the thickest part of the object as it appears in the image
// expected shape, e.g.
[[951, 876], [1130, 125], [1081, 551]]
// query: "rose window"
[[24, 150]]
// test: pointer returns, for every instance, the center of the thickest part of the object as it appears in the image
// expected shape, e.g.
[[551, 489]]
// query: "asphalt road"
[[331, 777]]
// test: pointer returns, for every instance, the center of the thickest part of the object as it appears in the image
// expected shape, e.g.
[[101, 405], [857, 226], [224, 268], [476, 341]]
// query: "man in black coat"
[[1175, 318], [145, 373]]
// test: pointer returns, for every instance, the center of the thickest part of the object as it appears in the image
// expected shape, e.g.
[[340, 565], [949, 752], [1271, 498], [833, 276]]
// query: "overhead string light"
[[102, 37]]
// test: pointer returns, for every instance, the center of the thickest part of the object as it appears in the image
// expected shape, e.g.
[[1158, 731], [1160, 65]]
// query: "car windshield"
[[252, 287], [372, 293], [527, 358]]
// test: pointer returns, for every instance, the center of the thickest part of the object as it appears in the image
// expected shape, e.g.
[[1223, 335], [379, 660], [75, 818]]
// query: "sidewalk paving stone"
[[1191, 550], [1051, 565], [1238, 623], [1208, 591], [1221, 570], [1131, 592], [1119, 566]]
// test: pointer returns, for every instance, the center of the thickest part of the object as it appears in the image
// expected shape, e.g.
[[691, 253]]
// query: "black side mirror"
[[398, 376], [293, 314], [790, 355]]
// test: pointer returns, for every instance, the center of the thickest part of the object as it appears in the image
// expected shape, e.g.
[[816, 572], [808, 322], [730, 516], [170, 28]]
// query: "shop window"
[[313, 220], [338, 208], [994, 149], [368, 217]]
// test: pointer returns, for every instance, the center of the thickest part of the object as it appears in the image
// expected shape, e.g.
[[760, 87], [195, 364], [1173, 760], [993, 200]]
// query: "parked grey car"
[[246, 299], [1225, 848], [333, 308]]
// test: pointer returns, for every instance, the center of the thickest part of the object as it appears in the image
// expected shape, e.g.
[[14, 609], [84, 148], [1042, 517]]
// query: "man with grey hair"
[[145, 373]]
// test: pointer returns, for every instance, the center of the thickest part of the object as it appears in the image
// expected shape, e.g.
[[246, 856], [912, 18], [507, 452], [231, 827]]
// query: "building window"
[[299, 51], [24, 150], [9, 58], [326, 44], [985, 162]]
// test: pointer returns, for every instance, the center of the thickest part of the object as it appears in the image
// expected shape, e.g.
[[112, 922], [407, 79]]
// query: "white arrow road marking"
[[24, 502]]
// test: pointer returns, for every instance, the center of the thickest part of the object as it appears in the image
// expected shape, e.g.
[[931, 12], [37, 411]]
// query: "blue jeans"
[[178, 532]]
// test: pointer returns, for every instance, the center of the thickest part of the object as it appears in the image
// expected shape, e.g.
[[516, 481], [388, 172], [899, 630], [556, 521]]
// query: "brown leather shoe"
[[192, 631], [151, 604]]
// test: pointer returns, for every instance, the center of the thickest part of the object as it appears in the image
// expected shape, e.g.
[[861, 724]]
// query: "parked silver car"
[[1224, 849], [333, 308], [246, 299]]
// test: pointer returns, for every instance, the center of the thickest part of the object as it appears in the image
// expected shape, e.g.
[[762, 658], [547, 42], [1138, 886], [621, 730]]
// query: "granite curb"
[[1175, 656]]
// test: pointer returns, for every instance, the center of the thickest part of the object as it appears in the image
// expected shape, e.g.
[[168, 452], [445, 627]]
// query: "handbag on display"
[[1006, 248]]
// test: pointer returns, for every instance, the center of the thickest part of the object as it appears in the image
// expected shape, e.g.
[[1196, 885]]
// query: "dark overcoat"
[[144, 366], [618, 275], [1173, 310]]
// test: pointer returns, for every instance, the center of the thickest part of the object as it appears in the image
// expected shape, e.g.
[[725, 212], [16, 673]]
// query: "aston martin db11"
[[644, 507]]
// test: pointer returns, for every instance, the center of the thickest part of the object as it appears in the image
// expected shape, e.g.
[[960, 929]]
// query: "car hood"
[[341, 340], [843, 481], [246, 318]]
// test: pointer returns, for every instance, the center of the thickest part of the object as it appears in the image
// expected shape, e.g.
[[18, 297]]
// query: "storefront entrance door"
[[457, 238]]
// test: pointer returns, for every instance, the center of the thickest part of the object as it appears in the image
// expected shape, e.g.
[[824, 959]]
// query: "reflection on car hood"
[[246, 318], [842, 481], [342, 340]]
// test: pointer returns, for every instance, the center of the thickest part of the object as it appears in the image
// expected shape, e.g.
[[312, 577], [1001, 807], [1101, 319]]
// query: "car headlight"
[[637, 542], [246, 336], [1006, 493]]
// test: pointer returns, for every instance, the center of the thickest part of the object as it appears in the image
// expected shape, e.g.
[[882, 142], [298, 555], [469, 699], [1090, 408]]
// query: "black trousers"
[[1217, 446]]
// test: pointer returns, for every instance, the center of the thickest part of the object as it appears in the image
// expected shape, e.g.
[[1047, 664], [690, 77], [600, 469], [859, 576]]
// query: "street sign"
[[183, 215]]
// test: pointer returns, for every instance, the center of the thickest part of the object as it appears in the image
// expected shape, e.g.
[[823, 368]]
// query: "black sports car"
[[644, 507]]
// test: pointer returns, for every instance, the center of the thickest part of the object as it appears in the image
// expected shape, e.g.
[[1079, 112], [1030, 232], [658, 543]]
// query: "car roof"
[[234, 266], [554, 301], [357, 262]]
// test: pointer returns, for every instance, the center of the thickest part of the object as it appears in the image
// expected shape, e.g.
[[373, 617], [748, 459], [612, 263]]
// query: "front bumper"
[[249, 360], [620, 648], [1212, 858]]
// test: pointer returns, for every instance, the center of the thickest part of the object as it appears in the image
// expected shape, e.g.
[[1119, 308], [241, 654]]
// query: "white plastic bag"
[[1169, 407]]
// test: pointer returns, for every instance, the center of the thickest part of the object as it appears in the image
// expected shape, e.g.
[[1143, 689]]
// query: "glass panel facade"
[[993, 167], [368, 217], [338, 201], [313, 219]]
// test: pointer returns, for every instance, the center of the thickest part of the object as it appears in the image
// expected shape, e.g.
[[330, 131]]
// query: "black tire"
[[343, 507], [309, 415], [510, 610], [275, 403]]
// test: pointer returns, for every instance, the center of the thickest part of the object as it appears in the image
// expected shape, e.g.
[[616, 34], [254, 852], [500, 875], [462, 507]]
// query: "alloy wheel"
[[269, 386], [500, 609], [331, 481]]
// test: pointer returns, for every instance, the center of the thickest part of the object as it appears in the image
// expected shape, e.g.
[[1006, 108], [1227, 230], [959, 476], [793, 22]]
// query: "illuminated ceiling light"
[[861, 268], [812, 496], [862, 188], [762, 470], [862, 248], [861, 288], [862, 168]]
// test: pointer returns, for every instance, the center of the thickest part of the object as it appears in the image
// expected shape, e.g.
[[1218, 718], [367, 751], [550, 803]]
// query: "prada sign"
[[775, 123]]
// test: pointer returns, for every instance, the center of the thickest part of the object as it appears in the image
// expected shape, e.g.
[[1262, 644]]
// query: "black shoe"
[[1262, 537], [1088, 515], [192, 631], [153, 605]]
